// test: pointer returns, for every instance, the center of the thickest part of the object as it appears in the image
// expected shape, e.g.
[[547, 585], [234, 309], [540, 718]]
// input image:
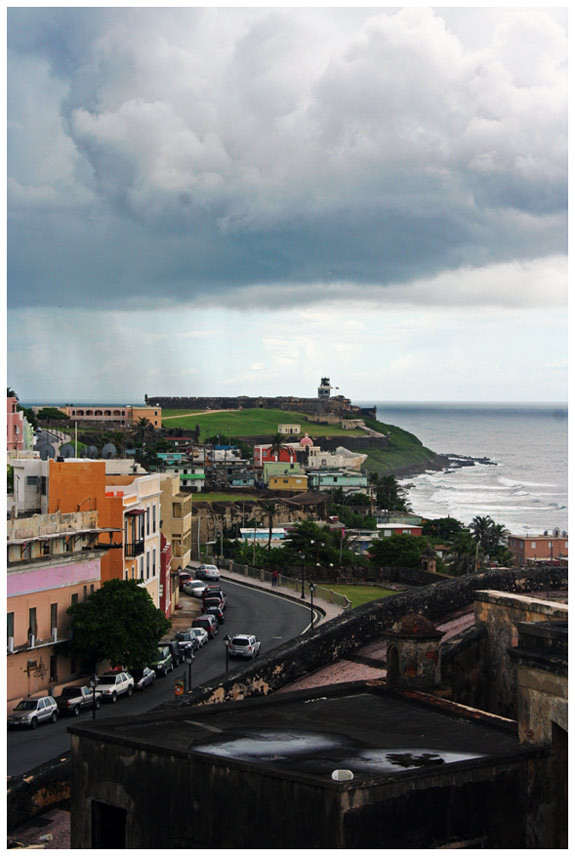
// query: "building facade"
[[54, 560], [123, 416], [530, 549]]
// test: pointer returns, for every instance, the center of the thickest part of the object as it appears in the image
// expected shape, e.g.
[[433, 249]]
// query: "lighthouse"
[[323, 390]]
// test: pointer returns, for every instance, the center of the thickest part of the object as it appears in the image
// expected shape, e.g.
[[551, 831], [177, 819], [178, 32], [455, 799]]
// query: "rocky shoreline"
[[449, 463]]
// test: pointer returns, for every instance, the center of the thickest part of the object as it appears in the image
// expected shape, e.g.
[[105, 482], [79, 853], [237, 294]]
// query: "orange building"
[[528, 549], [127, 415]]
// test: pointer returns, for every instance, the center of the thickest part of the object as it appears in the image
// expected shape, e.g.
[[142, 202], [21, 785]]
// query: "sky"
[[239, 201]]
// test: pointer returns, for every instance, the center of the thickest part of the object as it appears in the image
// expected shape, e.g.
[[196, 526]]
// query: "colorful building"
[[19, 432], [176, 517], [54, 560], [328, 479], [531, 549]]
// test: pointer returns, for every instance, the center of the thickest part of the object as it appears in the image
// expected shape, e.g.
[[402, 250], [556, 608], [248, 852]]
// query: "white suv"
[[30, 711], [114, 684], [244, 645]]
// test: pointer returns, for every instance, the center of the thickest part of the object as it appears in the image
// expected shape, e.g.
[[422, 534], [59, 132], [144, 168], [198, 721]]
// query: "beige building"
[[176, 516], [127, 415], [140, 497]]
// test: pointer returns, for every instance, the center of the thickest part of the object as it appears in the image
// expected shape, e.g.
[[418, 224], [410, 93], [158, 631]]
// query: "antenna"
[[109, 451], [67, 450], [47, 450]]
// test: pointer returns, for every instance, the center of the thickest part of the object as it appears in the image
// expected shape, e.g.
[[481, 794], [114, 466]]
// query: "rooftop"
[[363, 727]]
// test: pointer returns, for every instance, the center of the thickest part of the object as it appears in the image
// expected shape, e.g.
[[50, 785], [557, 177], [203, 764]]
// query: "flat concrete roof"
[[363, 727]]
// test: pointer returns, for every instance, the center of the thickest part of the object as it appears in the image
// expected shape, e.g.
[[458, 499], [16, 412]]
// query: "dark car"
[[214, 591], [217, 612], [208, 622], [163, 664], [175, 651], [143, 677], [186, 641], [212, 601], [73, 699]]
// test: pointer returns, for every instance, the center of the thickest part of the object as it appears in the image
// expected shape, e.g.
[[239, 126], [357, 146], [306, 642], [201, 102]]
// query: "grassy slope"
[[251, 423], [361, 594], [406, 449]]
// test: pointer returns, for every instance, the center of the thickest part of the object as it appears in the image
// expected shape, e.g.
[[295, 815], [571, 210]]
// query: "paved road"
[[273, 620]]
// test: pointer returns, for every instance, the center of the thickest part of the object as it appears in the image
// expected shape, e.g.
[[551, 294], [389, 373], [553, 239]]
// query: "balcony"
[[135, 548]]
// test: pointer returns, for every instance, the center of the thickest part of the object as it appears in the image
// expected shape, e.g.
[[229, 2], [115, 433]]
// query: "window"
[[74, 599], [53, 616], [85, 592], [92, 588], [153, 518], [147, 521], [53, 668], [148, 565], [31, 479], [533, 544], [154, 562], [141, 569], [10, 625], [32, 624]]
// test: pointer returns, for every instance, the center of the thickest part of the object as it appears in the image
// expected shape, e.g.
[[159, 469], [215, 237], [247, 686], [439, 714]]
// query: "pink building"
[[15, 425]]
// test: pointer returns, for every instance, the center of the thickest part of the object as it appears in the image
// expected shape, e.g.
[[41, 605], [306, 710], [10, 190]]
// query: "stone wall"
[[501, 613], [357, 627]]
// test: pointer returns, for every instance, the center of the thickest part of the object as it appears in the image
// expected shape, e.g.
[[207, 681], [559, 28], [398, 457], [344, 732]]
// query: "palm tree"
[[142, 428], [278, 445], [269, 508]]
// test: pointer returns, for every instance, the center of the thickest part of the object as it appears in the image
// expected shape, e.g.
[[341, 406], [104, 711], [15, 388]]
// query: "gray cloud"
[[184, 153]]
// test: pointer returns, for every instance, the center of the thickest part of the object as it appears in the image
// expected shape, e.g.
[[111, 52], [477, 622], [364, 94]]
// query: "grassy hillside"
[[249, 423], [406, 453], [406, 450]]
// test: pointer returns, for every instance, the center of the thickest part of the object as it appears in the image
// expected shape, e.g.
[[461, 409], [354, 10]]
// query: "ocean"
[[526, 490]]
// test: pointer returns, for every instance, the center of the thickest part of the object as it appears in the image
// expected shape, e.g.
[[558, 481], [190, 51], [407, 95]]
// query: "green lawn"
[[361, 594], [251, 423]]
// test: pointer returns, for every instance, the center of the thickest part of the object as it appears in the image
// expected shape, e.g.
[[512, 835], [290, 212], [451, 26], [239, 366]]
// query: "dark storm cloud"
[[172, 154]]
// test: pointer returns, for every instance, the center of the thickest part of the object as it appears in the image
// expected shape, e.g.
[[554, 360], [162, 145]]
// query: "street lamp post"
[[311, 591], [189, 660], [93, 684], [227, 641], [302, 557]]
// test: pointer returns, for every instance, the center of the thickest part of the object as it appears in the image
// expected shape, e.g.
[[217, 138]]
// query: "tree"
[[390, 495], [142, 429], [402, 551], [53, 414], [119, 623], [461, 556], [443, 528], [269, 508], [278, 444]]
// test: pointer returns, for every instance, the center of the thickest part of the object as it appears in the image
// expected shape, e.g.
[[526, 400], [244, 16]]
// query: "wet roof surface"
[[369, 733]]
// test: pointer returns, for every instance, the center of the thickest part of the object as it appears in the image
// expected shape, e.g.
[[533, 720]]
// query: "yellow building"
[[176, 510], [287, 483]]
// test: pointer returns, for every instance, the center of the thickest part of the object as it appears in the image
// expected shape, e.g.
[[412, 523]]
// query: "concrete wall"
[[500, 613]]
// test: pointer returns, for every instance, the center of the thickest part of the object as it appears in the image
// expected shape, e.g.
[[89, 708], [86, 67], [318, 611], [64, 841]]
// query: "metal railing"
[[320, 593]]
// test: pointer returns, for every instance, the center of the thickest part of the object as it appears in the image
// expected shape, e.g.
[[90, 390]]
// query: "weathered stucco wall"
[[501, 613]]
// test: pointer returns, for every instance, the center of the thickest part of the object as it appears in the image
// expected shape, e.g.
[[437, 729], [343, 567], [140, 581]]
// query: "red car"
[[209, 624]]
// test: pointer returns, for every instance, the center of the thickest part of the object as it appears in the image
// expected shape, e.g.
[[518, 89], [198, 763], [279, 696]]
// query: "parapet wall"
[[357, 627]]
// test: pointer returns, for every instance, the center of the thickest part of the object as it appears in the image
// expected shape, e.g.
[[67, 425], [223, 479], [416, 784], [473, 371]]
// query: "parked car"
[[217, 612], [186, 641], [200, 634], [143, 677], [194, 587], [208, 572], [214, 591], [164, 663], [184, 577], [29, 712], [213, 601], [114, 684], [209, 624], [73, 699], [177, 655], [244, 645]]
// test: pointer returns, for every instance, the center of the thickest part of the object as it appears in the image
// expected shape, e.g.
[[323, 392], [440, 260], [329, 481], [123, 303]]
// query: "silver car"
[[244, 645], [30, 711]]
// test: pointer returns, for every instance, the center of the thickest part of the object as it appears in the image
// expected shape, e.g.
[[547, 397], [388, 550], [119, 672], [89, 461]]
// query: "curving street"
[[271, 618]]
